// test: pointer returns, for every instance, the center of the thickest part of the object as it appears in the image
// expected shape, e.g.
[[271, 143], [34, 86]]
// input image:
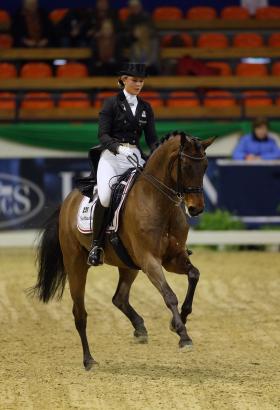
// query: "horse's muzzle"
[[195, 211]]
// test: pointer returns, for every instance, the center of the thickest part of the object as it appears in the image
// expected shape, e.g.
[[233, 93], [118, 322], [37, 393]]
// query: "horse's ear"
[[208, 142]]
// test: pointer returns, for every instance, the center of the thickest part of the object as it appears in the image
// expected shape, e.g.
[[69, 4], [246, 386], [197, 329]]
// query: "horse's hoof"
[[140, 337], [186, 346], [89, 364]]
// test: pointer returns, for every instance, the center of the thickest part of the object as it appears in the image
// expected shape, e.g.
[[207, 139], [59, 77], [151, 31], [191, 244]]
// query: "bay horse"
[[153, 228]]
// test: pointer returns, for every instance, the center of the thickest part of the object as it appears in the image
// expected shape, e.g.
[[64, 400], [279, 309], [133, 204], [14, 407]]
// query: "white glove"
[[125, 151]]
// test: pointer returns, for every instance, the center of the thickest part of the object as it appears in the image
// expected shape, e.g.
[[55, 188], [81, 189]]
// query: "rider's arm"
[[106, 118]]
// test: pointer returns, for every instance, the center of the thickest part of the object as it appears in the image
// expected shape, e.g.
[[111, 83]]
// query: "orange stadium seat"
[[274, 40], [167, 13], [268, 13], [235, 13], [74, 100], [176, 40], [256, 98], [182, 99], [212, 40], [36, 70], [248, 70], [219, 98], [57, 15], [223, 67], [276, 68], [101, 96], [5, 18], [123, 13], [247, 40], [7, 70], [153, 97], [76, 70], [6, 41], [201, 13], [37, 101], [7, 101]]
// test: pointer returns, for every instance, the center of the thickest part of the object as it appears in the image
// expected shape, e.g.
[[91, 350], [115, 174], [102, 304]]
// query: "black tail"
[[51, 275]]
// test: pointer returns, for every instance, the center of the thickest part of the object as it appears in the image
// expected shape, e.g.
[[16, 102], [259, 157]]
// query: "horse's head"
[[188, 169]]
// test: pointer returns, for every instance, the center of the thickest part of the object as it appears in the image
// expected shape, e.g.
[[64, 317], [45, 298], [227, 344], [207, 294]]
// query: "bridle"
[[176, 196]]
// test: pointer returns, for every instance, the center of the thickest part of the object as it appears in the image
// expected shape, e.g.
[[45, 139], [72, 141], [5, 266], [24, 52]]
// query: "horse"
[[153, 228]]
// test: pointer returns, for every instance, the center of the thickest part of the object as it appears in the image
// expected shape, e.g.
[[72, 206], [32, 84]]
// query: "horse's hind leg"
[[121, 301], [76, 267]]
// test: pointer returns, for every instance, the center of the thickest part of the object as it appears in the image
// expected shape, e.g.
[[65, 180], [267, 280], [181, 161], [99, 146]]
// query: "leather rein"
[[176, 196]]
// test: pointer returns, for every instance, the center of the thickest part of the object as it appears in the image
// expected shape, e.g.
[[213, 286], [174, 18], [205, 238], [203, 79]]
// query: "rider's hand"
[[125, 151]]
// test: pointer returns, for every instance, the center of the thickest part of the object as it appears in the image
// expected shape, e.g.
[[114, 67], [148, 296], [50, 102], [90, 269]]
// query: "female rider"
[[121, 121]]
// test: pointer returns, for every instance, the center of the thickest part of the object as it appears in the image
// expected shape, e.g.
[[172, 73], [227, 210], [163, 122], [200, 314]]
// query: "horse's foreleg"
[[76, 266], [121, 301], [154, 271]]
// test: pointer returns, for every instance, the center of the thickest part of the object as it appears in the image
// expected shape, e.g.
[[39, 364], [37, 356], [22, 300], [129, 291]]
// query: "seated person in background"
[[71, 30], [30, 26], [258, 144], [137, 16]]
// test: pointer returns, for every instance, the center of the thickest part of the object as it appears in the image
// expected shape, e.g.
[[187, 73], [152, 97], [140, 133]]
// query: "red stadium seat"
[[101, 96], [256, 98], [57, 15], [74, 100], [75, 70], [222, 66], [201, 13], [235, 13], [212, 40], [36, 70], [276, 68], [176, 40], [6, 41], [167, 13], [7, 101], [123, 13], [219, 98], [5, 18], [274, 40], [182, 99], [153, 97], [251, 70], [247, 40], [7, 70], [37, 101], [268, 13]]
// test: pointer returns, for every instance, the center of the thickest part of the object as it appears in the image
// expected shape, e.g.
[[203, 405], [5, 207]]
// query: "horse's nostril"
[[193, 210]]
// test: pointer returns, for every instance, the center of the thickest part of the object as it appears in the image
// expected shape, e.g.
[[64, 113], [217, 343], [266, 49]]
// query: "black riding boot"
[[96, 253]]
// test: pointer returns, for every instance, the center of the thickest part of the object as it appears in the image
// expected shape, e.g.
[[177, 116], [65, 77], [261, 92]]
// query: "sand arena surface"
[[235, 326]]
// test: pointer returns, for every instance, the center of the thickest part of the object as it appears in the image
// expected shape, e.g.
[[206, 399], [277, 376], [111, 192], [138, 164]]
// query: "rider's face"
[[133, 85]]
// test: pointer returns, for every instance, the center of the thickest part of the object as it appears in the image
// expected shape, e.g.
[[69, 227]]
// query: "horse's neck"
[[158, 163]]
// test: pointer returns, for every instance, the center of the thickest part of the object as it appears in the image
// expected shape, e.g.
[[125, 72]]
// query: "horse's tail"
[[51, 273]]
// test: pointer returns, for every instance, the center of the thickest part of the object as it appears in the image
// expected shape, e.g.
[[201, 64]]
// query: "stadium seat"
[[101, 96], [36, 70], [256, 98], [7, 101], [6, 41], [235, 13], [123, 13], [274, 40], [167, 13], [268, 13], [251, 70], [247, 40], [76, 70], [212, 40], [57, 15], [182, 99], [219, 98], [74, 100], [5, 18], [176, 40], [153, 97], [7, 70], [223, 67], [201, 13], [276, 68], [37, 101]]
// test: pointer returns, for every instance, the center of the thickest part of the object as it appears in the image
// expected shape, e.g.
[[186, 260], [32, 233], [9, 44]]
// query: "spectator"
[[97, 15], [137, 16], [258, 144], [145, 48], [31, 27], [71, 31], [106, 50], [253, 5]]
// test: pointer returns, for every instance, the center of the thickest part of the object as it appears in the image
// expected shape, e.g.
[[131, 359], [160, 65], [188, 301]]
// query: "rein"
[[176, 196]]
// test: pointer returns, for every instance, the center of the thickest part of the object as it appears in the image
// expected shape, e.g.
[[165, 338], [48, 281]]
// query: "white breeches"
[[110, 166]]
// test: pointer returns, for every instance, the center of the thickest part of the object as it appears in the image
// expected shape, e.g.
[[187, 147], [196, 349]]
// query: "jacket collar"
[[125, 106]]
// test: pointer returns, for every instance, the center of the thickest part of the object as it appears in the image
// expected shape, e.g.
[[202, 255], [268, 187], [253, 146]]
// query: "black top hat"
[[134, 70]]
